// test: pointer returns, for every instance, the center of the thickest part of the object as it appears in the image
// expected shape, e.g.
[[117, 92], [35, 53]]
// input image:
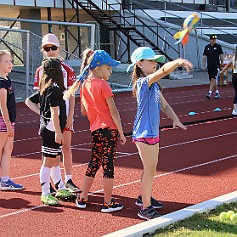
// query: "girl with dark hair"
[[52, 111]]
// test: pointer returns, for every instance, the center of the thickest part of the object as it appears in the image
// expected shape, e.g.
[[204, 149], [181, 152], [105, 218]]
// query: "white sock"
[[45, 180], [210, 92], [67, 177], [57, 177], [235, 107], [217, 91], [5, 178]]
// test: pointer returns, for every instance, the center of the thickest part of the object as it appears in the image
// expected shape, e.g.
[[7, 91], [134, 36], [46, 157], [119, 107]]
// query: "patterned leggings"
[[104, 147]]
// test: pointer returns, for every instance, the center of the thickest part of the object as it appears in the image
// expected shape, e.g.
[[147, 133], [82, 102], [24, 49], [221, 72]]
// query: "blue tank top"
[[147, 119]]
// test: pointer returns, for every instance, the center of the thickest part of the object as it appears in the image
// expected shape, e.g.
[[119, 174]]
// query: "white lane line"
[[134, 182], [22, 211], [198, 140], [74, 147], [175, 171]]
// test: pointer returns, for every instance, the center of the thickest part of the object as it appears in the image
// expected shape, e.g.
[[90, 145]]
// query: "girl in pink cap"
[[51, 49]]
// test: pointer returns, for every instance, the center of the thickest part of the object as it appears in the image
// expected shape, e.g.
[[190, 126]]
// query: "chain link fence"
[[25, 48]]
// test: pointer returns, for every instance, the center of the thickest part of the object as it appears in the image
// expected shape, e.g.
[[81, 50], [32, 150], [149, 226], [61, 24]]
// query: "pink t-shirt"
[[94, 92]]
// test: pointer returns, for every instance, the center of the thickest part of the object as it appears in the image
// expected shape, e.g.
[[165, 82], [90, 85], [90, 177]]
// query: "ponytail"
[[137, 72], [87, 56]]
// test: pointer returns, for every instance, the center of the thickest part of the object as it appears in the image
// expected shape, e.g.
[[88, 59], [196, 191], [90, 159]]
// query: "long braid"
[[87, 56]]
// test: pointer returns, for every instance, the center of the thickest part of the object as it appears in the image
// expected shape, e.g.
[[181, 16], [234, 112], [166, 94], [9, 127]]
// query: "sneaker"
[[148, 213], [72, 187], [81, 202], [217, 95], [234, 113], [113, 206], [49, 200], [208, 95], [52, 190], [154, 202], [65, 195], [10, 185]]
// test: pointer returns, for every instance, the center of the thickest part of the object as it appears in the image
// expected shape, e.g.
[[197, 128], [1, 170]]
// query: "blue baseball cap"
[[100, 58], [145, 53]]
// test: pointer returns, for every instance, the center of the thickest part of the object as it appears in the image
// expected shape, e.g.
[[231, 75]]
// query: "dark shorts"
[[3, 126], [212, 72], [49, 147]]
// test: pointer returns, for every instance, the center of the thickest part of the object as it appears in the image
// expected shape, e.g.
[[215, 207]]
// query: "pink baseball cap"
[[50, 39]]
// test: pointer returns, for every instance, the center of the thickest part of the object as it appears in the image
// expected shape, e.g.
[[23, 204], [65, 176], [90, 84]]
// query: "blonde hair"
[[87, 56], [4, 52]]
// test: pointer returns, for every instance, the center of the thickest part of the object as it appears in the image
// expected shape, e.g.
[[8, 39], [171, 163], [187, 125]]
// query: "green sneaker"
[[49, 200], [65, 195]]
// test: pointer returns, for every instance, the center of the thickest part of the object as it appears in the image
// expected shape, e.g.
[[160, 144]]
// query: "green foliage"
[[203, 225]]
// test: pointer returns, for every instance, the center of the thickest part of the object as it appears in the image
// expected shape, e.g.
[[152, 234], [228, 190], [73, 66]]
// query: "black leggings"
[[104, 147], [234, 82]]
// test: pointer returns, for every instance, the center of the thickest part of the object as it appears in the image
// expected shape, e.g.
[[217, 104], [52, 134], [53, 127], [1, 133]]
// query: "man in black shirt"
[[212, 56]]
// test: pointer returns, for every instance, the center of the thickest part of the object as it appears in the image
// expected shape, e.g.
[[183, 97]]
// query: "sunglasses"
[[47, 49]]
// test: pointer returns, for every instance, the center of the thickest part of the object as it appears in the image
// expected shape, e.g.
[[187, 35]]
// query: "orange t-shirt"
[[94, 92]]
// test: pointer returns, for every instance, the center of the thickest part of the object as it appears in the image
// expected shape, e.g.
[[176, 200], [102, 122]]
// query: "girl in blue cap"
[[105, 124], [147, 121]]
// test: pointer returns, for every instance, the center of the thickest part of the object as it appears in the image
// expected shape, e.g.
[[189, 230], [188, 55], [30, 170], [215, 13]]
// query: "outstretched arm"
[[168, 68]]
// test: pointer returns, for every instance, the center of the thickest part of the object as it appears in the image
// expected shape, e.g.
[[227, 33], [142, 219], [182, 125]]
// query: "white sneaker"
[[234, 112], [217, 95]]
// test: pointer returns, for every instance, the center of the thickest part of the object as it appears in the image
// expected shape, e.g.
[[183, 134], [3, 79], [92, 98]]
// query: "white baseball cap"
[[50, 39]]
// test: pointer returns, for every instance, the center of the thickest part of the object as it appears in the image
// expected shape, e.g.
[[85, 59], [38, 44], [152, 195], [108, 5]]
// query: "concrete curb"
[[150, 226]]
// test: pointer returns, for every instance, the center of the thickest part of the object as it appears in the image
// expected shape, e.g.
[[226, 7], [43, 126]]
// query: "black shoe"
[[81, 202], [154, 202], [113, 206], [72, 187], [52, 190], [208, 95], [148, 213]]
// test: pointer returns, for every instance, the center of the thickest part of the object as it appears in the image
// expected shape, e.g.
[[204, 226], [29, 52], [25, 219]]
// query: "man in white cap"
[[51, 49]]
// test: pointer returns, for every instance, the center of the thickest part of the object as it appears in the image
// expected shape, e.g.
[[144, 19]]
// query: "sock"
[[217, 91], [210, 92], [5, 178], [235, 107], [67, 177], [57, 178], [45, 180]]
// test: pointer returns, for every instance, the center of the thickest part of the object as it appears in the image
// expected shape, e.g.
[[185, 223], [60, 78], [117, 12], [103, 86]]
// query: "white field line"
[[134, 182]]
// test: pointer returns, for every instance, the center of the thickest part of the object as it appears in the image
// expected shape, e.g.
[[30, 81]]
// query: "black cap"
[[213, 37]]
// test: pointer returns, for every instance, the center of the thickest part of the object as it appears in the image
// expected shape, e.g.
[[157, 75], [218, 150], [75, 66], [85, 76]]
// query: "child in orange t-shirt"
[[105, 124]]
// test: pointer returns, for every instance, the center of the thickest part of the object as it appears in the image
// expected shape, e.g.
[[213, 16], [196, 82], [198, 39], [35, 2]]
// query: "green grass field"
[[203, 225]]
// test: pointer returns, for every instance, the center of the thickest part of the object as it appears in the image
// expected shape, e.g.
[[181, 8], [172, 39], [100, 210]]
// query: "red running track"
[[194, 165]]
